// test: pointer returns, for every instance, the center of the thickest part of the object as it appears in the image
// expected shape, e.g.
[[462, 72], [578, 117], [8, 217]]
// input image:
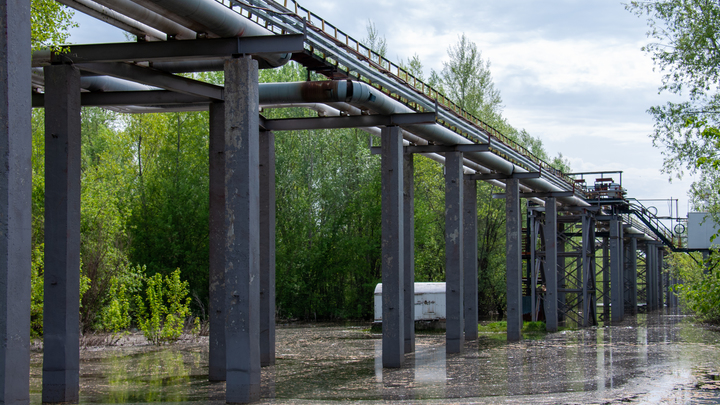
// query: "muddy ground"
[[656, 358]]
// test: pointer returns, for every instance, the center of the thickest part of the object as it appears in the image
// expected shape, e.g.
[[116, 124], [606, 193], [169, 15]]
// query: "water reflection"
[[648, 356]]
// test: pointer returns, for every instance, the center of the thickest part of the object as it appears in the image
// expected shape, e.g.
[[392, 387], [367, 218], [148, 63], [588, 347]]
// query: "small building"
[[429, 302]]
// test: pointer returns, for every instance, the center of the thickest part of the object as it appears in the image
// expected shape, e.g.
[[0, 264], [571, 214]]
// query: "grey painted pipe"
[[148, 17], [369, 98], [114, 18], [216, 19]]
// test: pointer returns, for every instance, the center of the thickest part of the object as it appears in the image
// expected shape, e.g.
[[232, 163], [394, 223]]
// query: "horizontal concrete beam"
[[355, 121]]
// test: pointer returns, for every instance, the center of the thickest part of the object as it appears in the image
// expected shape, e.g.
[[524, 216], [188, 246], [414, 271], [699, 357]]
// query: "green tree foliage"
[[49, 24], [167, 217], [686, 35]]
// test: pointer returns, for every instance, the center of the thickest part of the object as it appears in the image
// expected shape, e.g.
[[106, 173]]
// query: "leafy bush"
[[162, 312], [115, 317]]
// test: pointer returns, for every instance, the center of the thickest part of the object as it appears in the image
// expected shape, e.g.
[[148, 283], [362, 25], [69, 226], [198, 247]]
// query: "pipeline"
[[216, 19], [115, 19], [150, 18], [367, 98]]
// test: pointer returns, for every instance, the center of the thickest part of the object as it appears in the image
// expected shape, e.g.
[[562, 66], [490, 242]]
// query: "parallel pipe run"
[[367, 98], [151, 18], [115, 19], [213, 18]]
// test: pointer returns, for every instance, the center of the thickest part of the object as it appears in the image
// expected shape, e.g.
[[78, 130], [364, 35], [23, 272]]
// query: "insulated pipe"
[[108, 83], [369, 98], [216, 19], [116, 19], [151, 18]]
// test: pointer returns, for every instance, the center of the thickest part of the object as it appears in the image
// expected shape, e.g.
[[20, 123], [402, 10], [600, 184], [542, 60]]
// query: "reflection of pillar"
[[616, 280], [513, 260], [551, 260], [393, 328], [455, 325], [267, 248], [242, 222], [216, 357], [409, 240], [470, 265], [15, 192], [61, 323]]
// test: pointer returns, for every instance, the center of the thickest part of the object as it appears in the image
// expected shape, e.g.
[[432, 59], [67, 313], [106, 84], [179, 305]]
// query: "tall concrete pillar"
[[650, 253], [513, 260], [393, 267], [660, 278], [616, 280], [470, 261], [15, 196], [242, 224], [61, 319], [409, 240], [631, 274], [455, 325], [216, 360], [606, 279], [267, 248], [561, 276], [551, 264]]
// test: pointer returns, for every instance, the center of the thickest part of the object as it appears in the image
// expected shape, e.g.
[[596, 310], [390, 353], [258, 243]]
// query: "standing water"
[[654, 358]]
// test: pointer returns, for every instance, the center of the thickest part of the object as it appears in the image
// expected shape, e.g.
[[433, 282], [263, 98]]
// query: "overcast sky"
[[569, 71]]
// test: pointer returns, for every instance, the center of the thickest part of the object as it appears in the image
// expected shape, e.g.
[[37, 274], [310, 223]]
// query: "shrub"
[[162, 313]]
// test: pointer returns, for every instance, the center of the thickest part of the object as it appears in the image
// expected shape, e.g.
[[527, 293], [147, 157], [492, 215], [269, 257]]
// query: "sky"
[[570, 72]]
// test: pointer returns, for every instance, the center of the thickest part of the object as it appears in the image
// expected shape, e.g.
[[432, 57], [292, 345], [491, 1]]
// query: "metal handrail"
[[345, 53]]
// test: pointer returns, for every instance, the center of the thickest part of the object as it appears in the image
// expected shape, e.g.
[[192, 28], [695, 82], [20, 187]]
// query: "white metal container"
[[429, 302]]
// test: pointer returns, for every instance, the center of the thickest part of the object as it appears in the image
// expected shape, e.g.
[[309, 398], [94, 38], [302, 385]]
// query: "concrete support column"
[[409, 240], [631, 275], [216, 360], [513, 260], [660, 278], [15, 196], [393, 267], [267, 248], [616, 280], [242, 224], [61, 319], [470, 261], [650, 276], [606, 279], [455, 323], [551, 264]]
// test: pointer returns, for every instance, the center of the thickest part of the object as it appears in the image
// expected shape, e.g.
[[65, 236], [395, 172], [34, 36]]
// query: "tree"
[[49, 22], [687, 34], [466, 79]]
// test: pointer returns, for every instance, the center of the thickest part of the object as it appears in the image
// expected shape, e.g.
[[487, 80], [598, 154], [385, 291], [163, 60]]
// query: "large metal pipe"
[[150, 18], [369, 98], [215, 19], [116, 19]]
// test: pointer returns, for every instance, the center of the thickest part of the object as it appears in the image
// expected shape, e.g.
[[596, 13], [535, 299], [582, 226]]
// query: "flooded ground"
[[655, 358]]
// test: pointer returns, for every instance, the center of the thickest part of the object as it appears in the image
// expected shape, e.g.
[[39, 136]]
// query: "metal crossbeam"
[[355, 121], [157, 78], [183, 50], [121, 98]]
